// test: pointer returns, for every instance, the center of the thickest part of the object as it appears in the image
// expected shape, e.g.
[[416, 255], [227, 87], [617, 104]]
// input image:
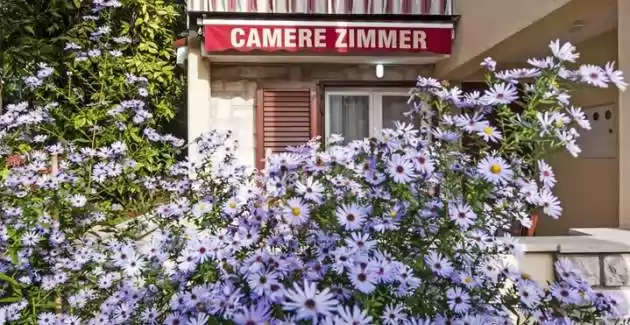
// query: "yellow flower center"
[[468, 280], [296, 212], [232, 205], [495, 168], [393, 213], [488, 131]]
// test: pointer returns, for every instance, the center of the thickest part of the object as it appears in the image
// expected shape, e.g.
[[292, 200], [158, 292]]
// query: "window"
[[357, 114]]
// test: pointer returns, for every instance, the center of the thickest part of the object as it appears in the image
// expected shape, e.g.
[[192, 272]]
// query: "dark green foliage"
[[85, 87], [29, 32]]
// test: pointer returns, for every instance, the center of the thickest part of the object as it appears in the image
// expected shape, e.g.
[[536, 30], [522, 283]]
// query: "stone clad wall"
[[233, 91], [605, 270], [605, 264]]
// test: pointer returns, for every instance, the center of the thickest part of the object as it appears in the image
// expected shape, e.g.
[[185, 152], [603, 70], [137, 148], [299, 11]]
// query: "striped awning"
[[339, 7]]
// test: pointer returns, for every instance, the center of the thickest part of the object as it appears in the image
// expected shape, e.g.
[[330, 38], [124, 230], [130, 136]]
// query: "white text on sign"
[[356, 38]]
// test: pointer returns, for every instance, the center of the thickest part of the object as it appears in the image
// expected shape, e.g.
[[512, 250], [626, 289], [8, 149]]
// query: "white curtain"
[[397, 6], [358, 7], [378, 6], [436, 7], [340, 6], [321, 6], [449, 7], [262, 5], [350, 116], [301, 6], [416, 7], [221, 5], [242, 5], [280, 6]]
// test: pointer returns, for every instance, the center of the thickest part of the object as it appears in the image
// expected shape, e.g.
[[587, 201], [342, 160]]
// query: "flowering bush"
[[405, 228]]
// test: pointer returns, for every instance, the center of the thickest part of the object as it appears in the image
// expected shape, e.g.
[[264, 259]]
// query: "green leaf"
[[10, 300], [30, 29], [79, 121], [136, 137], [24, 148], [10, 280], [77, 3]]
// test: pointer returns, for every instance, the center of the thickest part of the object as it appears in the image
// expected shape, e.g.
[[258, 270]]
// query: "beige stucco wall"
[[233, 91], [588, 188], [623, 50], [198, 95], [478, 29]]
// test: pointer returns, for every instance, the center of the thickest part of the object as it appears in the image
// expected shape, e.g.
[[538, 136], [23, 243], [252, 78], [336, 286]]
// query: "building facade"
[[279, 72]]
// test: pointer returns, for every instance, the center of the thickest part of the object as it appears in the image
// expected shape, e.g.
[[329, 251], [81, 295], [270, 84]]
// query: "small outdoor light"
[[380, 71]]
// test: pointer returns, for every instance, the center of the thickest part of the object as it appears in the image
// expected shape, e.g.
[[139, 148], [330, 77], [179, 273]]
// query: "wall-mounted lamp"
[[380, 71]]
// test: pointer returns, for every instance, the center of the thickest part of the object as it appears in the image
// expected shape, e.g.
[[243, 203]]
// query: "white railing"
[[339, 7]]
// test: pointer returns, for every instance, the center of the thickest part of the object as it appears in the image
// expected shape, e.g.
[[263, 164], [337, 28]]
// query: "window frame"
[[375, 109]]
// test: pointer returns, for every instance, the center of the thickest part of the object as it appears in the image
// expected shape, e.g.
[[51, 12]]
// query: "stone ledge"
[[573, 245], [616, 235]]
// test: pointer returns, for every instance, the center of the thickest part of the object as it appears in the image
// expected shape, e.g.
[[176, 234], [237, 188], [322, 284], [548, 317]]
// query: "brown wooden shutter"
[[284, 117]]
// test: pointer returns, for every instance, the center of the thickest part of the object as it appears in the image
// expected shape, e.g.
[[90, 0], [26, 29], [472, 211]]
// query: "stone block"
[[539, 266], [249, 72], [394, 74], [327, 74], [622, 299], [616, 270], [369, 75], [411, 74], [588, 264], [250, 91], [225, 72], [295, 73], [351, 73], [276, 72], [216, 85], [237, 86]]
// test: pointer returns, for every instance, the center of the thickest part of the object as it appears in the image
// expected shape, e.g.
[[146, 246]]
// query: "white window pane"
[[349, 116], [394, 109]]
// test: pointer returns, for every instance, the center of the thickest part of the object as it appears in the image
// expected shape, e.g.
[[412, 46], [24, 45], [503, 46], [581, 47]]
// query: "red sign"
[[327, 37]]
